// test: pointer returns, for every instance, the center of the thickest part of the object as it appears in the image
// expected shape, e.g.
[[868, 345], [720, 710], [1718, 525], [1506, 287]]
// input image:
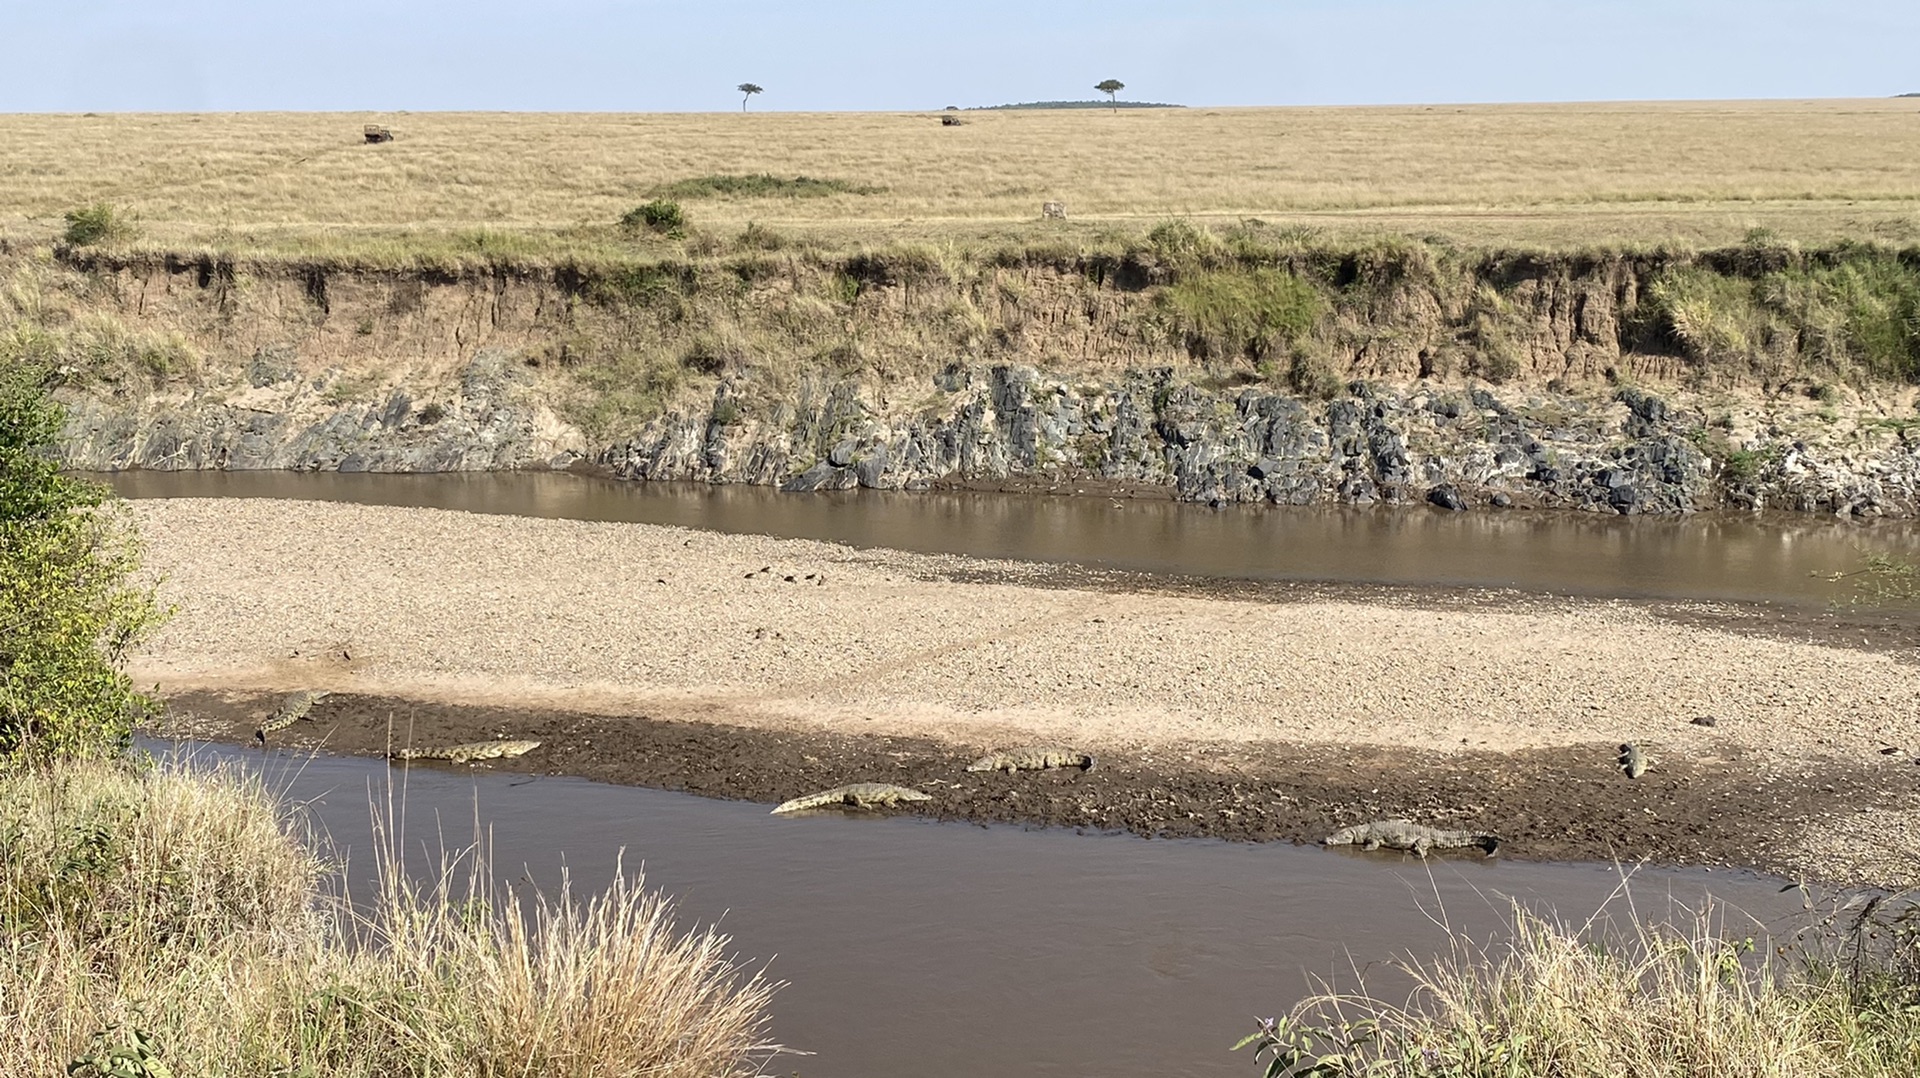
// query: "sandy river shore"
[[803, 638]]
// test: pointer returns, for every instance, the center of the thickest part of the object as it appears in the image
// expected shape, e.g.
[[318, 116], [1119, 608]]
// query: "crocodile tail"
[[799, 803]]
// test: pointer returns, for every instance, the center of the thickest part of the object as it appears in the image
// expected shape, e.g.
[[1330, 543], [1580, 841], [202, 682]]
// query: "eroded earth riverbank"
[[1561, 803], [689, 660]]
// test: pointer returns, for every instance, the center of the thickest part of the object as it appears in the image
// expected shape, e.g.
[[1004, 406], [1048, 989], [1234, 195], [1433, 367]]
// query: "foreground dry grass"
[[1549, 175], [169, 917], [1709, 997]]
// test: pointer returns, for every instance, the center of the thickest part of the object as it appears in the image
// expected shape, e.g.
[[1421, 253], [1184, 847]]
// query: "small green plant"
[[120, 1053], [1298, 1050], [1741, 466], [1882, 580], [844, 288], [99, 223], [661, 215]]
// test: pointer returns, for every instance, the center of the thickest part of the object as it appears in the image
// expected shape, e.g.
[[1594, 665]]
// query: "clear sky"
[[77, 55]]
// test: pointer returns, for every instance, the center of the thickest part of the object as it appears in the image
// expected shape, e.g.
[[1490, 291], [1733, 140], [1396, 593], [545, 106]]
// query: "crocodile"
[[1407, 835], [1033, 758], [1633, 762], [470, 752], [293, 707], [858, 795]]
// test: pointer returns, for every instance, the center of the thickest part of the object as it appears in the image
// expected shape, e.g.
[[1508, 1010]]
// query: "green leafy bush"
[[99, 223], [660, 215], [69, 609]]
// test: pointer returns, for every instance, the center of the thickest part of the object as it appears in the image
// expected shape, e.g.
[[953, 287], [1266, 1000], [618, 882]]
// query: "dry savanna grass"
[[549, 185], [166, 922], [1706, 993]]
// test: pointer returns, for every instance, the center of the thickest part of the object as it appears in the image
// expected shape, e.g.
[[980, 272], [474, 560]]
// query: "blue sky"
[[76, 55]]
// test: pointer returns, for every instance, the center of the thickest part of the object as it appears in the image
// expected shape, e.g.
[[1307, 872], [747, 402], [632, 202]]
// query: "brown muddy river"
[[943, 949], [1765, 558]]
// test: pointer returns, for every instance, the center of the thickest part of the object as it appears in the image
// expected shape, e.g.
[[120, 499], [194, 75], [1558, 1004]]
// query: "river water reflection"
[[1768, 558]]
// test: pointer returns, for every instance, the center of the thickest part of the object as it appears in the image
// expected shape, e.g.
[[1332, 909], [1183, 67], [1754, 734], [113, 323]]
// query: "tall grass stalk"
[[175, 911], [1698, 998]]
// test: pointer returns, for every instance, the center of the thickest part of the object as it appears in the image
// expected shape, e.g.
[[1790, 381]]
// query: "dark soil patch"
[[1551, 804]]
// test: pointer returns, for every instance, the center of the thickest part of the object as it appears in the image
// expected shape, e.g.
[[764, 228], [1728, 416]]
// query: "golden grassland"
[[536, 185]]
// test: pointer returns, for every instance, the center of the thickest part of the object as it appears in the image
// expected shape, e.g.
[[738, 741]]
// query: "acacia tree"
[[749, 89], [1111, 87]]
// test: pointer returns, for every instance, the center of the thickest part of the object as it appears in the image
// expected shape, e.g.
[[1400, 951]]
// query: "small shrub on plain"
[[661, 215], [99, 223]]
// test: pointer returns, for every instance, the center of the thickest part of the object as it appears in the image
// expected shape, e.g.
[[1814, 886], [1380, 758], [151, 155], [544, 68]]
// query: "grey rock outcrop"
[[1633, 454], [1456, 448], [283, 423]]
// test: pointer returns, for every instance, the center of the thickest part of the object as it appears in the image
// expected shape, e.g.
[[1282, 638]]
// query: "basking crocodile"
[[470, 752], [293, 707], [1407, 835], [859, 795], [1033, 758], [1633, 762]]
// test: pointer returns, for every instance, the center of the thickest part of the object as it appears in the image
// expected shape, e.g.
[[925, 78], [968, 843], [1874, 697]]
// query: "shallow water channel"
[[1767, 558], [945, 949]]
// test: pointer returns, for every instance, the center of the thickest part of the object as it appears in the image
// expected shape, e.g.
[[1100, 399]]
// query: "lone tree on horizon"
[[748, 89], [1111, 87]]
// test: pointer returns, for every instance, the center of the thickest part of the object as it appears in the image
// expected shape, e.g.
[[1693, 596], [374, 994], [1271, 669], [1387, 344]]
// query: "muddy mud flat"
[[1565, 803]]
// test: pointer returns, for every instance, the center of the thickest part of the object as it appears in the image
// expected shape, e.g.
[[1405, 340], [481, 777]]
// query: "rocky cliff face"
[[1456, 447], [1522, 381], [279, 420]]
